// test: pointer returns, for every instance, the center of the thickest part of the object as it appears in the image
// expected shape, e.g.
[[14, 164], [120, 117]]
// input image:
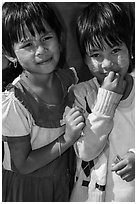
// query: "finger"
[[67, 109], [80, 110], [116, 78], [118, 166], [123, 171], [111, 75], [127, 177], [76, 115], [73, 110], [81, 125], [78, 120]]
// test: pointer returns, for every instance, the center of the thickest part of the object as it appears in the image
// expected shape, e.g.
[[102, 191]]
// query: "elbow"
[[87, 152], [88, 155]]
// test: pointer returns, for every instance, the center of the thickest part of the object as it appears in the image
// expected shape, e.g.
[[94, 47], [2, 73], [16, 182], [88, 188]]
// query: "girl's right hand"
[[114, 82], [74, 125], [125, 167]]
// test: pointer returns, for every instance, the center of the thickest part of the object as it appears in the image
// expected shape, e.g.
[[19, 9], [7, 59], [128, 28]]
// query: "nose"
[[40, 49], [106, 64]]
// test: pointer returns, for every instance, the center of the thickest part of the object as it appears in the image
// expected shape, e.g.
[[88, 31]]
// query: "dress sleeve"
[[16, 120], [99, 122]]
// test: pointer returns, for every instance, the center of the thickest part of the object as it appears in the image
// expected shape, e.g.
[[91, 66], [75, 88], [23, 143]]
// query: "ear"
[[11, 59]]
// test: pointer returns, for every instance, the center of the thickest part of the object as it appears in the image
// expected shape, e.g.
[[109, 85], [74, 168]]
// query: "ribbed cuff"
[[107, 102]]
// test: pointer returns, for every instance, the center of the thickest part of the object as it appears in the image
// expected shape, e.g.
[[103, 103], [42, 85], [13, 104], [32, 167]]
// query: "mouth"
[[103, 74], [45, 61], [107, 73]]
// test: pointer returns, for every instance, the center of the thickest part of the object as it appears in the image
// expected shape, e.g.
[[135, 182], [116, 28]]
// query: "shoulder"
[[10, 101], [85, 88], [69, 75], [15, 117], [12, 95], [85, 94], [8, 96]]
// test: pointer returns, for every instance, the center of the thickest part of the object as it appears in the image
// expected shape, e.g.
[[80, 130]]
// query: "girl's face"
[[40, 53], [101, 62]]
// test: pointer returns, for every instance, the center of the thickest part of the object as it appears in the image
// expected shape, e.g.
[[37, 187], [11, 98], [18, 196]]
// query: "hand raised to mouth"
[[114, 82]]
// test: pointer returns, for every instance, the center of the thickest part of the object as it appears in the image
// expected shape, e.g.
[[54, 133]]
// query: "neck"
[[39, 79]]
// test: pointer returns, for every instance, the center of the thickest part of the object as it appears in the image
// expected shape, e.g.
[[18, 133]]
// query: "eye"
[[116, 50], [95, 55], [27, 45], [46, 38]]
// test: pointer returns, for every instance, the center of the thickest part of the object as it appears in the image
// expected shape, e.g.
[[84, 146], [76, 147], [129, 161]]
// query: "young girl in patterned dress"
[[37, 144]]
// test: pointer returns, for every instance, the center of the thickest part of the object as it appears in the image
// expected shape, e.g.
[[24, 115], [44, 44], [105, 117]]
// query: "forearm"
[[27, 160], [99, 124], [32, 160], [94, 138]]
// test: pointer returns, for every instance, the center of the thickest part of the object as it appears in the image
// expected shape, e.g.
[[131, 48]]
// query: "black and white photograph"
[[68, 101]]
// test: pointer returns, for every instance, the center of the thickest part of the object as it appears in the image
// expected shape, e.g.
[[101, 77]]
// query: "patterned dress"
[[25, 114]]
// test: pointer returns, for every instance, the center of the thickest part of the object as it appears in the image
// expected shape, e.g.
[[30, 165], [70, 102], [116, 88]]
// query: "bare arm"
[[27, 160]]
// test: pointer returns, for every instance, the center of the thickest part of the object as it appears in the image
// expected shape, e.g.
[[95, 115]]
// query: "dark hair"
[[15, 14], [104, 21]]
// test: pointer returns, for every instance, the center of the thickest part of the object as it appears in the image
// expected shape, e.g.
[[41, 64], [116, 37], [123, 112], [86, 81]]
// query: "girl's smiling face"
[[102, 61], [39, 53]]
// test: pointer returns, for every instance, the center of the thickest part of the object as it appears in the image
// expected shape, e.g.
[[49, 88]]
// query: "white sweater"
[[99, 124], [121, 139]]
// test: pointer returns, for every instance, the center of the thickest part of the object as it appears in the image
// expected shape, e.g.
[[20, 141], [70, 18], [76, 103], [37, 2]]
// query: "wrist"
[[107, 102], [65, 143], [68, 139]]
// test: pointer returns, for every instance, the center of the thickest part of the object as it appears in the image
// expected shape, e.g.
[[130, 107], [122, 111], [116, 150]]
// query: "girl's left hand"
[[125, 168]]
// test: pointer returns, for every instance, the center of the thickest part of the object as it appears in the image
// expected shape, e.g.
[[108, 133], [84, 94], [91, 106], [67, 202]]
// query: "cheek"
[[23, 61], [56, 49], [94, 65], [23, 57], [57, 53], [123, 61]]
